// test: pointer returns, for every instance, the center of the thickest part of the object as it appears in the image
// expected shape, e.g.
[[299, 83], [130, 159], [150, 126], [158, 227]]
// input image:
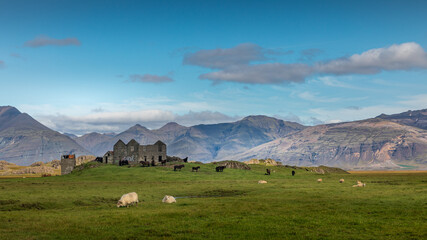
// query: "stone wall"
[[68, 163], [120, 151], [108, 157], [134, 153]]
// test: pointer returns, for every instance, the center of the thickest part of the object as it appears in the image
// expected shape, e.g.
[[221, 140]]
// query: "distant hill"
[[368, 144], [201, 142], [23, 140], [416, 118]]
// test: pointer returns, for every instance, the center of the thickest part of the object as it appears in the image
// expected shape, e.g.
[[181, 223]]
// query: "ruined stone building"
[[108, 157], [68, 163], [134, 152]]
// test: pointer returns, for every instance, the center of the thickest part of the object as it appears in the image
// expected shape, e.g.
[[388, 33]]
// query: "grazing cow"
[[319, 180], [128, 199], [163, 162], [341, 180], [293, 173], [178, 167], [169, 199], [220, 168], [268, 172], [195, 169]]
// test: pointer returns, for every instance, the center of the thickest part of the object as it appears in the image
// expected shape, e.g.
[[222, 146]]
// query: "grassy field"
[[211, 205]]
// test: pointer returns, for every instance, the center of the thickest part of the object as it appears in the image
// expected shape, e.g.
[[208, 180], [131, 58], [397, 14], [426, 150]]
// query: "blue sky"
[[82, 66]]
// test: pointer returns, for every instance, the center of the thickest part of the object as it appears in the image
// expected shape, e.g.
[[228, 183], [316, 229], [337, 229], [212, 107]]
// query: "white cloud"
[[224, 57], [120, 121], [236, 64], [269, 73], [405, 56]]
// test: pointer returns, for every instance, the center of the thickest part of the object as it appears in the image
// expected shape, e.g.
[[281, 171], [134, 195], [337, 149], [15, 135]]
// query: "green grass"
[[227, 205]]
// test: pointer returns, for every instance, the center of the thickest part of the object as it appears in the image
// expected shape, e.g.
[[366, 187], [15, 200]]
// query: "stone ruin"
[[68, 163]]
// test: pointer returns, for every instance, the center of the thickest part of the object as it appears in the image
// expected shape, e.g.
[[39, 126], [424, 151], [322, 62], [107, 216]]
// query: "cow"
[[341, 180], [319, 180], [144, 163], [185, 159], [178, 167], [128, 199], [220, 168], [163, 162], [268, 172], [195, 169], [293, 173]]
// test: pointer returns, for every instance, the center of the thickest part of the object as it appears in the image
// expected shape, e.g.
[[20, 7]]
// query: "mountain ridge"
[[23, 140]]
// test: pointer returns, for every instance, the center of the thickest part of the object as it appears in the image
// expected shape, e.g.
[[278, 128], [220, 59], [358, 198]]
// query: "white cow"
[[319, 180], [128, 199], [262, 181]]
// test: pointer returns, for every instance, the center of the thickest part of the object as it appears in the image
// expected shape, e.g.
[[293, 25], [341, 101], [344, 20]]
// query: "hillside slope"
[[367, 144], [23, 140]]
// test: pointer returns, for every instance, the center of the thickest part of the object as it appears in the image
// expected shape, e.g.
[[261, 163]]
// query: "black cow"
[[185, 159], [144, 163], [293, 173], [123, 162], [268, 172], [178, 167], [220, 168], [195, 169], [163, 162]]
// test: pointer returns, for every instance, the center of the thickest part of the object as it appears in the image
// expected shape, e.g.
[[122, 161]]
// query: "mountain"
[[23, 140], [367, 144], [70, 135], [411, 118], [219, 141], [204, 142], [96, 142]]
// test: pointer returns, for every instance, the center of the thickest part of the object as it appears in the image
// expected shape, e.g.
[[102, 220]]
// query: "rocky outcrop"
[[233, 164], [265, 162]]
